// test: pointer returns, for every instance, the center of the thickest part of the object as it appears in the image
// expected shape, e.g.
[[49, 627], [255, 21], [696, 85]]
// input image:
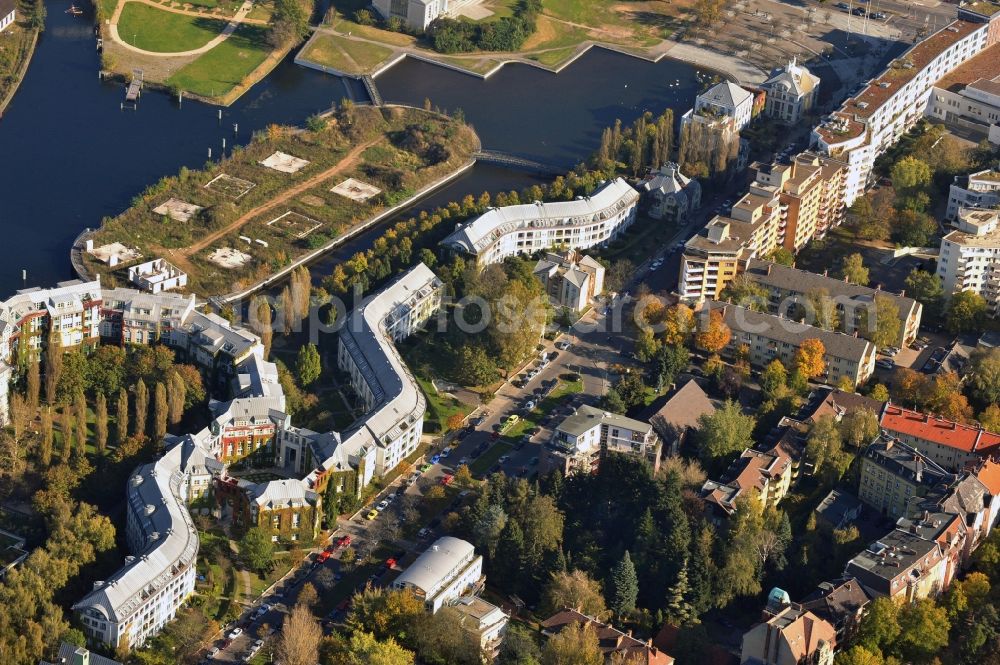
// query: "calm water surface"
[[69, 156]]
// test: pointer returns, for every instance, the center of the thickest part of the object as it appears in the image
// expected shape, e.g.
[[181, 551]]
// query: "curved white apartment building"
[[584, 222], [139, 599], [366, 350]]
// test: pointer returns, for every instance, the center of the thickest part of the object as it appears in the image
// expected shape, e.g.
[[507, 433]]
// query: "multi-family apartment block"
[[581, 439], [894, 476], [766, 337], [811, 194], [968, 98], [969, 258], [393, 401], [901, 565], [976, 190], [70, 312], [792, 92], [789, 289], [946, 443], [570, 279], [767, 475], [874, 119], [713, 258], [792, 636], [253, 429], [587, 221]]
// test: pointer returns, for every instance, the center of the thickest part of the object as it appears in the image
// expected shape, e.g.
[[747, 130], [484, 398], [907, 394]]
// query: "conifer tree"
[[624, 587], [679, 612]]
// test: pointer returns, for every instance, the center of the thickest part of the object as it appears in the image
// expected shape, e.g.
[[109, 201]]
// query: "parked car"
[[213, 652], [344, 541], [435, 459], [860, 11], [885, 363], [446, 452], [447, 478], [529, 405], [463, 461], [235, 632], [423, 533], [323, 556], [562, 345], [372, 514], [878, 16]]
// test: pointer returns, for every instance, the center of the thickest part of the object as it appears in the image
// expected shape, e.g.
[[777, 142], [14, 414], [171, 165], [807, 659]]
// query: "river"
[[69, 156]]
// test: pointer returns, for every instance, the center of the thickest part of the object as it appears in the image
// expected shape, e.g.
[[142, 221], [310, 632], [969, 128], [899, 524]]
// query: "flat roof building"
[[446, 571]]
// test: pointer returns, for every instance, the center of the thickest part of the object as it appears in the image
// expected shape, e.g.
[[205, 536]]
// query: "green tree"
[[824, 448], [782, 256], [298, 643], [80, 427], [141, 408], [885, 329], [925, 288], [121, 418], [308, 364], [679, 611], [879, 627], [257, 549], [914, 228], [101, 423], [985, 378], [176, 396], [774, 379], [364, 649], [867, 223], [45, 443], [923, 630], [853, 269], [879, 392], [965, 313], [910, 173], [53, 366], [623, 587], [519, 647], [858, 655], [745, 292], [859, 427], [725, 431], [34, 383], [575, 644], [160, 412]]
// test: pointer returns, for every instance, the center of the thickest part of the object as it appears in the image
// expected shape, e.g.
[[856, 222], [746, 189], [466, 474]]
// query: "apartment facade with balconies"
[[969, 258]]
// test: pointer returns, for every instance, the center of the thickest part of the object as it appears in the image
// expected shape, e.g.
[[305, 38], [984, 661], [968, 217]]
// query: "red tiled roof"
[[938, 430], [989, 475], [611, 639]]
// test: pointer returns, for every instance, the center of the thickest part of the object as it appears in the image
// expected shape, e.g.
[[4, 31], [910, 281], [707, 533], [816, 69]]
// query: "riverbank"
[[283, 199], [20, 40], [344, 48]]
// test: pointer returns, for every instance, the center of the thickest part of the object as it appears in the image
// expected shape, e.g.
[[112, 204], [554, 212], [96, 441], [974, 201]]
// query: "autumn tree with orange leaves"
[[809, 358], [714, 336]]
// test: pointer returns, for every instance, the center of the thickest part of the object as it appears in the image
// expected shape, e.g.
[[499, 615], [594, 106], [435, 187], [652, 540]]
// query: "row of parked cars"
[[861, 11]]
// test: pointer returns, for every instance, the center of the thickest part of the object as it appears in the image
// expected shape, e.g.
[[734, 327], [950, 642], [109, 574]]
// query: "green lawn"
[[346, 55], [555, 57], [153, 29], [224, 67]]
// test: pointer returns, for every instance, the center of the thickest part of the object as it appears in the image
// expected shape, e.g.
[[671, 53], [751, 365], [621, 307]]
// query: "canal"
[[69, 156]]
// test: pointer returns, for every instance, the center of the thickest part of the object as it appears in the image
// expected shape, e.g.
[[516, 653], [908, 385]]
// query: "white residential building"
[[448, 570], [874, 119], [157, 276], [589, 221], [71, 309], [729, 100], [969, 97], [976, 190], [791, 93], [138, 600], [416, 15], [8, 13], [486, 621], [579, 441], [366, 350], [969, 259]]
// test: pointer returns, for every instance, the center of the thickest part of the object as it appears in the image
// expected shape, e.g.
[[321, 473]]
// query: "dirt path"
[[349, 160]]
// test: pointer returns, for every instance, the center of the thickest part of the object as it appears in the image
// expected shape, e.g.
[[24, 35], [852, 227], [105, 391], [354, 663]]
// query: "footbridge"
[[515, 162], [372, 89]]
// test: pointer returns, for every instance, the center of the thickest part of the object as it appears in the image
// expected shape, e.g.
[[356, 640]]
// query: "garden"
[[257, 219]]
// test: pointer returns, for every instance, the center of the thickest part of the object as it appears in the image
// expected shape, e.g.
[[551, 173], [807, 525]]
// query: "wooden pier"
[[134, 90]]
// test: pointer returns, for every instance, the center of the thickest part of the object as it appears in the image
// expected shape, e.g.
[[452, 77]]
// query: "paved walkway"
[[240, 17]]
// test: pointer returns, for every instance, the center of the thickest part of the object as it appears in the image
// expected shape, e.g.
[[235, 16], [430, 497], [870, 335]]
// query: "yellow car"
[[372, 514]]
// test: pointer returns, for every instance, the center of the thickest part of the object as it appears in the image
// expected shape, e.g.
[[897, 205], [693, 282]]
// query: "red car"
[[447, 478], [390, 562], [323, 556], [343, 541]]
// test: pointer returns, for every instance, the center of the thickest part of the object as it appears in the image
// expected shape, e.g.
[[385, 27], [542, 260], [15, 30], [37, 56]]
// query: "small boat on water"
[[74, 10]]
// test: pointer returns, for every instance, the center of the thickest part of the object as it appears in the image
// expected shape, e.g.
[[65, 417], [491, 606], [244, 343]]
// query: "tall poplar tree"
[[121, 417], [101, 423], [141, 409], [160, 409], [45, 444], [34, 387]]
